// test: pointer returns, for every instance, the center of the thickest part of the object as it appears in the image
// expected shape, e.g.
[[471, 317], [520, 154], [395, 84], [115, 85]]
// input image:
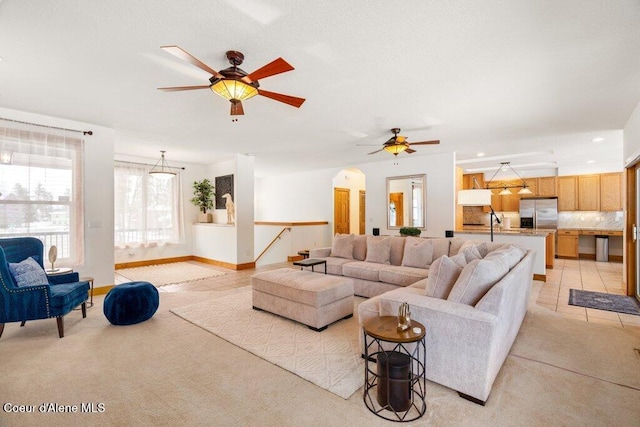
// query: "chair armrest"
[[319, 252], [64, 278], [27, 303]]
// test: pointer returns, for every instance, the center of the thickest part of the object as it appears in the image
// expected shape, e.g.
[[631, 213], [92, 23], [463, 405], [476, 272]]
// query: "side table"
[[394, 372], [90, 280], [311, 262]]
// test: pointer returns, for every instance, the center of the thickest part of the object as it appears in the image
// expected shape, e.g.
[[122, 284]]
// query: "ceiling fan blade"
[[374, 152], [178, 88], [409, 151], [186, 56], [291, 100], [237, 109], [436, 141], [271, 69]]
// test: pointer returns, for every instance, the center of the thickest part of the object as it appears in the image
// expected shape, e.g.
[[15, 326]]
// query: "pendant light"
[[161, 169]]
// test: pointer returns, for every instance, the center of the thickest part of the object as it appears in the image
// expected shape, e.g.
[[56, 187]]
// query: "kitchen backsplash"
[[474, 215]]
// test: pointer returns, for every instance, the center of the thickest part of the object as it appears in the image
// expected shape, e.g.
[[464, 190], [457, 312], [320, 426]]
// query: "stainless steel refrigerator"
[[539, 212]]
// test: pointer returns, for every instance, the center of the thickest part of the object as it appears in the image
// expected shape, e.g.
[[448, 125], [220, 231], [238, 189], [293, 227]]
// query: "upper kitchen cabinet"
[[567, 193], [547, 186], [589, 192], [468, 180], [611, 192]]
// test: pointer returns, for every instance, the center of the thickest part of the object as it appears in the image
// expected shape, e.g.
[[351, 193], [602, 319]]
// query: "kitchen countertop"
[[483, 229]]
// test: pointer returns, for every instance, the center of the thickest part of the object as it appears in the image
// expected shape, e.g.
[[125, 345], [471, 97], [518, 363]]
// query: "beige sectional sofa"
[[471, 297]]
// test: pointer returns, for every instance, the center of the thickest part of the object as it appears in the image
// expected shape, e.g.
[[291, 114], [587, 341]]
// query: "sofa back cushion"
[[397, 250], [440, 247], [476, 279], [443, 274], [342, 246], [378, 249], [360, 247], [509, 254], [417, 252]]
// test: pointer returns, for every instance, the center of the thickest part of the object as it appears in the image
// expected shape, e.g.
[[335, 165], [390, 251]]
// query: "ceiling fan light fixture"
[[395, 148], [161, 169], [232, 89]]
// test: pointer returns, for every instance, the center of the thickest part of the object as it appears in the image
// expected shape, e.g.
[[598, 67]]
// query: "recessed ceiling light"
[[591, 161], [480, 154], [598, 139]]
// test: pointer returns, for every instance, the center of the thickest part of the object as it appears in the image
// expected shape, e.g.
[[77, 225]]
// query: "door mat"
[[602, 301]]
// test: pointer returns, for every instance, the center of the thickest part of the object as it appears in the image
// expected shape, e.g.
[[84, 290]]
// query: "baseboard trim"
[[223, 264], [103, 290], [145, 263]]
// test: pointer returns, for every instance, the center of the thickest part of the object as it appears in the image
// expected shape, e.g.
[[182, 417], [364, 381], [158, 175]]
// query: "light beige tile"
[[605, 321], [602, 314]]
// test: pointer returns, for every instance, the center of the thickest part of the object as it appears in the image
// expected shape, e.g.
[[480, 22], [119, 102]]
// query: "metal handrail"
[[272, 242]]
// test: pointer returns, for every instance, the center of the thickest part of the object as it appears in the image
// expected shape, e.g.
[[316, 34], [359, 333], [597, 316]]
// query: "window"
[[41, 190], [147, 210]]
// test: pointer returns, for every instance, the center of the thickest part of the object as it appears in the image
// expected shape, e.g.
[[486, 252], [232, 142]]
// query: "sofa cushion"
[[459, 259], [360, 247], [470, 253], [378, 249], [363, 270], [476, 279], [443, 274], [342, 246], [28, 273], [454, 245], [402, 276], [334, 265], [397, 250], [440, 247], [509, 254], [417, 252]]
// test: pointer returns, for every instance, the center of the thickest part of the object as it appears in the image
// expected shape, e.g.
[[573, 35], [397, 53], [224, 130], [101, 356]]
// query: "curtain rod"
[[146, 164], [84, 132]]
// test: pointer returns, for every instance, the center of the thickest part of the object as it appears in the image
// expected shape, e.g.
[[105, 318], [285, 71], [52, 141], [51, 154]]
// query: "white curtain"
[[41, 188], [147, 210]]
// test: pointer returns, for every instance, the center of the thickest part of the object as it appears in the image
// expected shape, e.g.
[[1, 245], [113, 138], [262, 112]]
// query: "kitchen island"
[[541, 241]]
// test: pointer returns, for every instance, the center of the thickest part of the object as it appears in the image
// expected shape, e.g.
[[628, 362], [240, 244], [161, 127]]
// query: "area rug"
[[602, 301], [168, 274], [329, 359]]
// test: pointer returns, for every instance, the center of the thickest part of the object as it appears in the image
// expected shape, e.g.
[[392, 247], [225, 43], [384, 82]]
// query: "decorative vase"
[[205, 217]]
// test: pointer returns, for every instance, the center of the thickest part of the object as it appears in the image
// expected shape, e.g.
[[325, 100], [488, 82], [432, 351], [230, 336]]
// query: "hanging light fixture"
[[395, 149], [505, 166], [161, 169]]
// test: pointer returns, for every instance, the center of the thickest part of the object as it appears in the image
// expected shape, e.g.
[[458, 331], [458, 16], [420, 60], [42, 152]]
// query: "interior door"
[[634, 231], [396, 209], [341, 211], [362, 213]]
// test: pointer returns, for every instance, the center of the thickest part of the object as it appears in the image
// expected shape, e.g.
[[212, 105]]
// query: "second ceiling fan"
[[398, 143], [233, 83]]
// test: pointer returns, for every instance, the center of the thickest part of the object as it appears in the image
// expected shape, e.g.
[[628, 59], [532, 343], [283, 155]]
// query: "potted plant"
[[410, 231], [203, 194]]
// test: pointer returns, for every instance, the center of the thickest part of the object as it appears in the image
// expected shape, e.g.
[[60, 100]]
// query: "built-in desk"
[[574, 243]]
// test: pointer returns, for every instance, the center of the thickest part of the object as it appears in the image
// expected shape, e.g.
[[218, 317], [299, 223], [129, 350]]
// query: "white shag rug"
[[329, 359], [168, 274]]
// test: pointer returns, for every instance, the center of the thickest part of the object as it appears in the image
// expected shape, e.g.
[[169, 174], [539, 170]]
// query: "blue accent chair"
[[61, 295]]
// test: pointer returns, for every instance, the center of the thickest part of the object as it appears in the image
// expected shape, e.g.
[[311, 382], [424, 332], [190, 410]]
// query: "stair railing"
[[273, 241]]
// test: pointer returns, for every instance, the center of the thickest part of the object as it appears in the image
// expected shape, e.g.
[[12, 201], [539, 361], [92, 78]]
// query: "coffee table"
[[394, 369], [311, 262]]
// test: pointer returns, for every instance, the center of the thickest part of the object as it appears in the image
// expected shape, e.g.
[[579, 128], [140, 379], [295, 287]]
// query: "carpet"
[[168, 274], [602, 301], [329, 359]]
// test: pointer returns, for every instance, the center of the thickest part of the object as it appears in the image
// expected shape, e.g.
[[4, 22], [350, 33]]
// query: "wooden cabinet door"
[[511, 203], [496, 201], [469, 183], [567, 193], [589, 192], [532, 184], [611, 192], [547, 186], [567, 243]]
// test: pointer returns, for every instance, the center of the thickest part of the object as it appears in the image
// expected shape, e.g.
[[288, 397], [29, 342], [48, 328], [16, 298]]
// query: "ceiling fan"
[[398, 143], [233, 83]]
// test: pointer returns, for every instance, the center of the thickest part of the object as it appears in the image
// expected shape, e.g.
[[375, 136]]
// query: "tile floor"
[[554, 293]]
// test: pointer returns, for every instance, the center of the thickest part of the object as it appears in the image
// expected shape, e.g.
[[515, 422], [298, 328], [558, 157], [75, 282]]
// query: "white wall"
[[190, 174], [98, 193]]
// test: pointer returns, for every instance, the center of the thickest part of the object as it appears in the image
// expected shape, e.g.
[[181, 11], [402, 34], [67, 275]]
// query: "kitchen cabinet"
[[550, 249], [568, 243], [611, 192], [567, 193], [511, 203], [496, 201], [468, 182], [532, 185], [546, 187], [588, 192]]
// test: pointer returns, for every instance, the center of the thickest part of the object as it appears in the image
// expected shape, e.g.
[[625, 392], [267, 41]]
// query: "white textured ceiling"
[[501, 77]]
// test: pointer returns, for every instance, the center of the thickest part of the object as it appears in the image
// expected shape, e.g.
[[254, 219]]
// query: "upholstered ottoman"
[[131, 303], [313, 299]]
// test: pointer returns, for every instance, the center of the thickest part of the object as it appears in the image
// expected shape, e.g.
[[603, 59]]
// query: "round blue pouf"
[[131, 303]]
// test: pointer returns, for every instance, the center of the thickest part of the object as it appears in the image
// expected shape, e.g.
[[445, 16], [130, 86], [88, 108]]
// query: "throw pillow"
[[465, 245], [28, 273], [360, 247], [342, 246], [417, 252], [443, 274], [476, 279], [470, 253], [459, 259], [378, 249]]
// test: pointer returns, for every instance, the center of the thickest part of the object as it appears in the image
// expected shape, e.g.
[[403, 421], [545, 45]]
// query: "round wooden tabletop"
[[385, 328]]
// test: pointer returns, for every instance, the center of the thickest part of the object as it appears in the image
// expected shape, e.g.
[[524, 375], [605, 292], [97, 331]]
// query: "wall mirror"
[[406, 201]]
